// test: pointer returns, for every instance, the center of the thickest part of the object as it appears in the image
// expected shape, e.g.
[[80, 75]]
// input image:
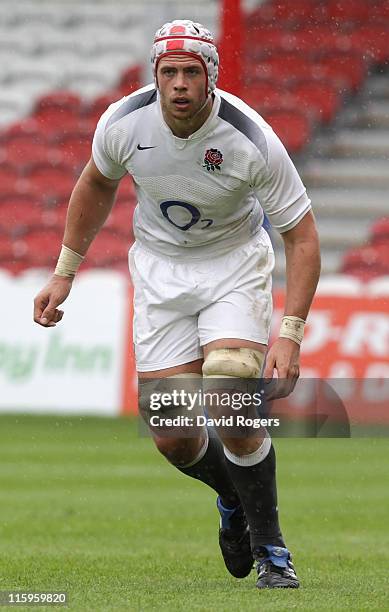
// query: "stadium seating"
[[41, 246], [367, 262], [59, 103], [22, 152], [108, 249], [96, 107], [19, 214], [379, 232], [26, 128], [9, 176], [352, 11], [282, 69], [54, 215], [346, 67], [320, 100], [371, 260], [293, 128], [120, 220]]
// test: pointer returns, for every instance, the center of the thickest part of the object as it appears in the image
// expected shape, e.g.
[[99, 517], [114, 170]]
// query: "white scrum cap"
[[184, 37]]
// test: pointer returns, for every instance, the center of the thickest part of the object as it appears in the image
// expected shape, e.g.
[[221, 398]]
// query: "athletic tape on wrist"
[[292, 328], [68, 262]]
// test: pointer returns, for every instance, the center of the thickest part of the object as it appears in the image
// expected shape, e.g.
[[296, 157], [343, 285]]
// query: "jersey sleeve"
[[279, 187], [102, 150]]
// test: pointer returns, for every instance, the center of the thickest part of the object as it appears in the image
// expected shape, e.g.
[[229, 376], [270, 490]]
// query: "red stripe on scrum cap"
[[174, 45], [205, 40], [177, 30]]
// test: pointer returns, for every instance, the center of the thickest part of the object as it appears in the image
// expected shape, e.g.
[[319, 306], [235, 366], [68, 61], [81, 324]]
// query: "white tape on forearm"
[[292, 328], [68, 262]]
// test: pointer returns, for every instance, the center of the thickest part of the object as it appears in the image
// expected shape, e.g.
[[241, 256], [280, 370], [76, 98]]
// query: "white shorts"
[[181, 306]]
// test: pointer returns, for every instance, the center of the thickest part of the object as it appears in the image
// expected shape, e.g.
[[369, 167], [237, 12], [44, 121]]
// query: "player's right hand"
[[52, 295]]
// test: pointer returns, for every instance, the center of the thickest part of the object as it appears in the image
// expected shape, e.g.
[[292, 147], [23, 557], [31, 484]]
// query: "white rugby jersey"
[[205, 194]]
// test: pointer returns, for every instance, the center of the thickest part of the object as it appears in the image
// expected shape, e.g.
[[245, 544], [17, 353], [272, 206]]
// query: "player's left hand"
[[284, 357]]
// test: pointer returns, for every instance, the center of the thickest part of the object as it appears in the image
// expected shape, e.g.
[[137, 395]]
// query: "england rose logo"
[[212, 159]]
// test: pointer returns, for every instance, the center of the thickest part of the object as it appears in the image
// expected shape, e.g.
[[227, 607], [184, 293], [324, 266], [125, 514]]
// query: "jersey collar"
[[207, 126]]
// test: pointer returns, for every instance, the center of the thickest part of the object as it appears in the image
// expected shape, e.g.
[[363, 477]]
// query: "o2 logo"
[[194, 215]]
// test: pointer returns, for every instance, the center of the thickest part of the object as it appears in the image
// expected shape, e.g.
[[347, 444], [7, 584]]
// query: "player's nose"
[[180, 81]]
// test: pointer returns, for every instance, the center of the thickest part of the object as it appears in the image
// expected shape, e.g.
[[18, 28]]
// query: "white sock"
[[253, 458], [200, 454]]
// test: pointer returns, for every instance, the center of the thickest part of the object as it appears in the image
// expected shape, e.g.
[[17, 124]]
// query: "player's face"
[[181, 82]]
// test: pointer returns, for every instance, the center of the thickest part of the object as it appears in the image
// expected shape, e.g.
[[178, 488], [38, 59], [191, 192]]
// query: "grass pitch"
[[89, 507]]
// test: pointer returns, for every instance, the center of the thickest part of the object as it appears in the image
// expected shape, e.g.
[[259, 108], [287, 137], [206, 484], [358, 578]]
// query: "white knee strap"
[[234, 362]]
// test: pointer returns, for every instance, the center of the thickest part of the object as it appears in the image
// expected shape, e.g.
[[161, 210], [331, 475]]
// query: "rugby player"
[[206, 168]]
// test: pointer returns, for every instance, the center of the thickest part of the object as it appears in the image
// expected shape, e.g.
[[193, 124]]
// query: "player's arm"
[[284, 200], [302, 253], [90, 204]]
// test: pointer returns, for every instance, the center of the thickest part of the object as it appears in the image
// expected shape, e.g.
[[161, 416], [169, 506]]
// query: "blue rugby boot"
[[234, 540], [275, 568]]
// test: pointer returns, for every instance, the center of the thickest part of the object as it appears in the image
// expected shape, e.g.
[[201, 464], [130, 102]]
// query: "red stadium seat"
[[348, 66], [26, 129], [379, 232], [126, 191], [41, 247], [372, 41], [264, 42], [295, 12], [15, 267], [320, 100], [108, 248], [50, 172], [318, 39], [293, 128], [20, 195], [53, 123], [379, 10], [9, 176], [130, 80], [285, 13], [7, 248], [262, 16], [75, 148], [254, 94], [120, 220], [281, 69], [76, 153], [266, 97], [60, 102], [81, 128], [339, 80], [353, 11], [55, 216], [100, 104], [22, 152], [305, 42], [51, 182], [367, 262], [299, 67], [18, 214], [15, 254]]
